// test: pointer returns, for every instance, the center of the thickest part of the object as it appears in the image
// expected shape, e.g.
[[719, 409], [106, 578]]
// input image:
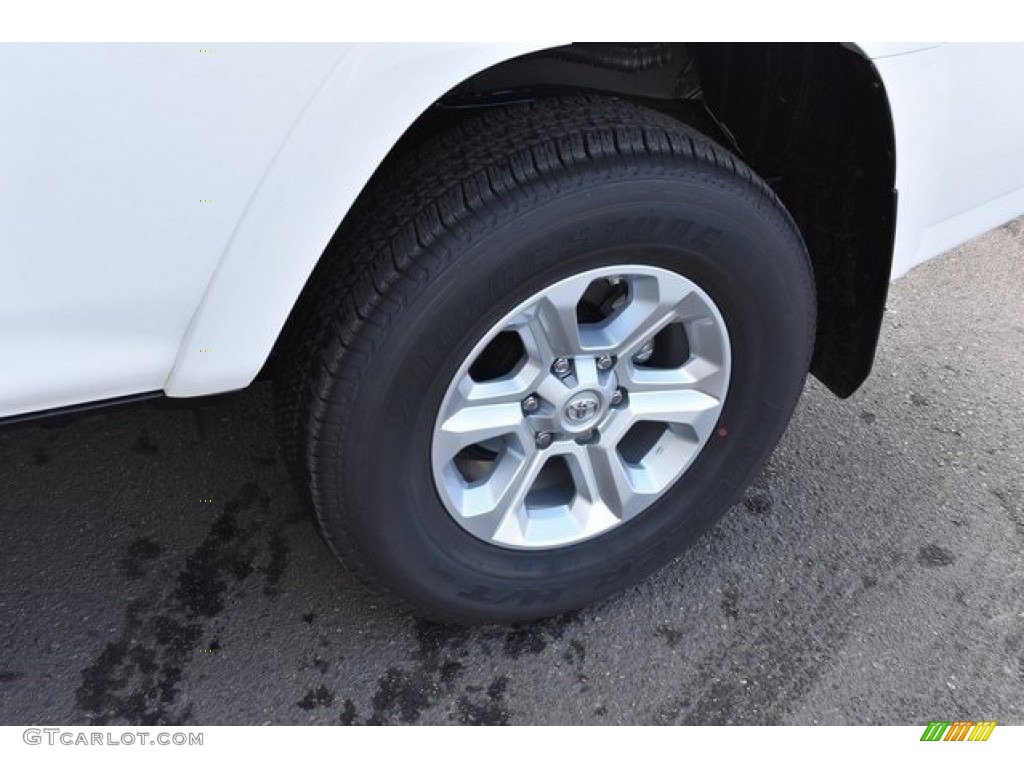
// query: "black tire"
[[450, 237]]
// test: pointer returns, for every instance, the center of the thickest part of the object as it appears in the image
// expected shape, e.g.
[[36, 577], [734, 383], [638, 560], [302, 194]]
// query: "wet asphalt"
[[158, 568]]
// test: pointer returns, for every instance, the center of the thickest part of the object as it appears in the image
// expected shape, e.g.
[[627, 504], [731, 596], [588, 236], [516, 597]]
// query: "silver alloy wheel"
[[581, 407]]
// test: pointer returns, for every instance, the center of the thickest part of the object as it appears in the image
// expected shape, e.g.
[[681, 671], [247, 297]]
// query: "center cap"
[[582, 408]]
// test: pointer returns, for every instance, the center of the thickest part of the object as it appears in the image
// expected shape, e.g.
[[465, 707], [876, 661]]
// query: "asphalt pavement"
[[158, 568]]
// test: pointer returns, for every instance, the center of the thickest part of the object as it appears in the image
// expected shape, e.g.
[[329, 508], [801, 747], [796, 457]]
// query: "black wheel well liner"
[[814, 120]]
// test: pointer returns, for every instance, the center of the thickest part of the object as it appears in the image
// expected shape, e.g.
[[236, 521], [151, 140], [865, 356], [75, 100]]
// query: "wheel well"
[[811, 119], [814, 121]]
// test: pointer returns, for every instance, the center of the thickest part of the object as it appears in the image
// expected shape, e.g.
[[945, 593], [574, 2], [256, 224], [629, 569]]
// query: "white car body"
[[162, 206]]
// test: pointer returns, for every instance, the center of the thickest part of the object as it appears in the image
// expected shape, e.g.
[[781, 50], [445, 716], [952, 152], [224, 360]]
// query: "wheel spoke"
[[554, 320], [494, 509], [477, 424], [588, 375], [602, 479], [511, 388], [697, 373], [688, 407]]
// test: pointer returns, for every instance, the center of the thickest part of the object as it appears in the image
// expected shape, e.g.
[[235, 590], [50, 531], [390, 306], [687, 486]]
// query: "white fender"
[[373, 95]]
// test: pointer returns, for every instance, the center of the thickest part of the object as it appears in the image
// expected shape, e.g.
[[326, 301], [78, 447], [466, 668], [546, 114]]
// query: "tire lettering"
[[645, 560], [483, 594], [708, 236]]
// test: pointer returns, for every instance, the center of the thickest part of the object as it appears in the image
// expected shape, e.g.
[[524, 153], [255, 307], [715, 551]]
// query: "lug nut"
[[645, 353], [531, 404], [618, 396], [604, 362], [543, 439], [561, 366]]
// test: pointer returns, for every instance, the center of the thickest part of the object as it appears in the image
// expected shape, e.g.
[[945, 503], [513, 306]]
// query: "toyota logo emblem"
[[582, 408]]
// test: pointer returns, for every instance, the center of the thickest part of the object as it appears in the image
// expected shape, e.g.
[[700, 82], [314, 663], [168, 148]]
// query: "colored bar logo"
[[958, 730]]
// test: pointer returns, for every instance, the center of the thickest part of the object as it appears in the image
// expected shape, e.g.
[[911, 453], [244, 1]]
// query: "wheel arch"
[[327, 159], [769, 103]]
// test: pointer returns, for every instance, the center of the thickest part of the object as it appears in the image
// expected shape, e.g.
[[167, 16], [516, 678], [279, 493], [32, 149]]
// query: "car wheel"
[[548, 348]]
